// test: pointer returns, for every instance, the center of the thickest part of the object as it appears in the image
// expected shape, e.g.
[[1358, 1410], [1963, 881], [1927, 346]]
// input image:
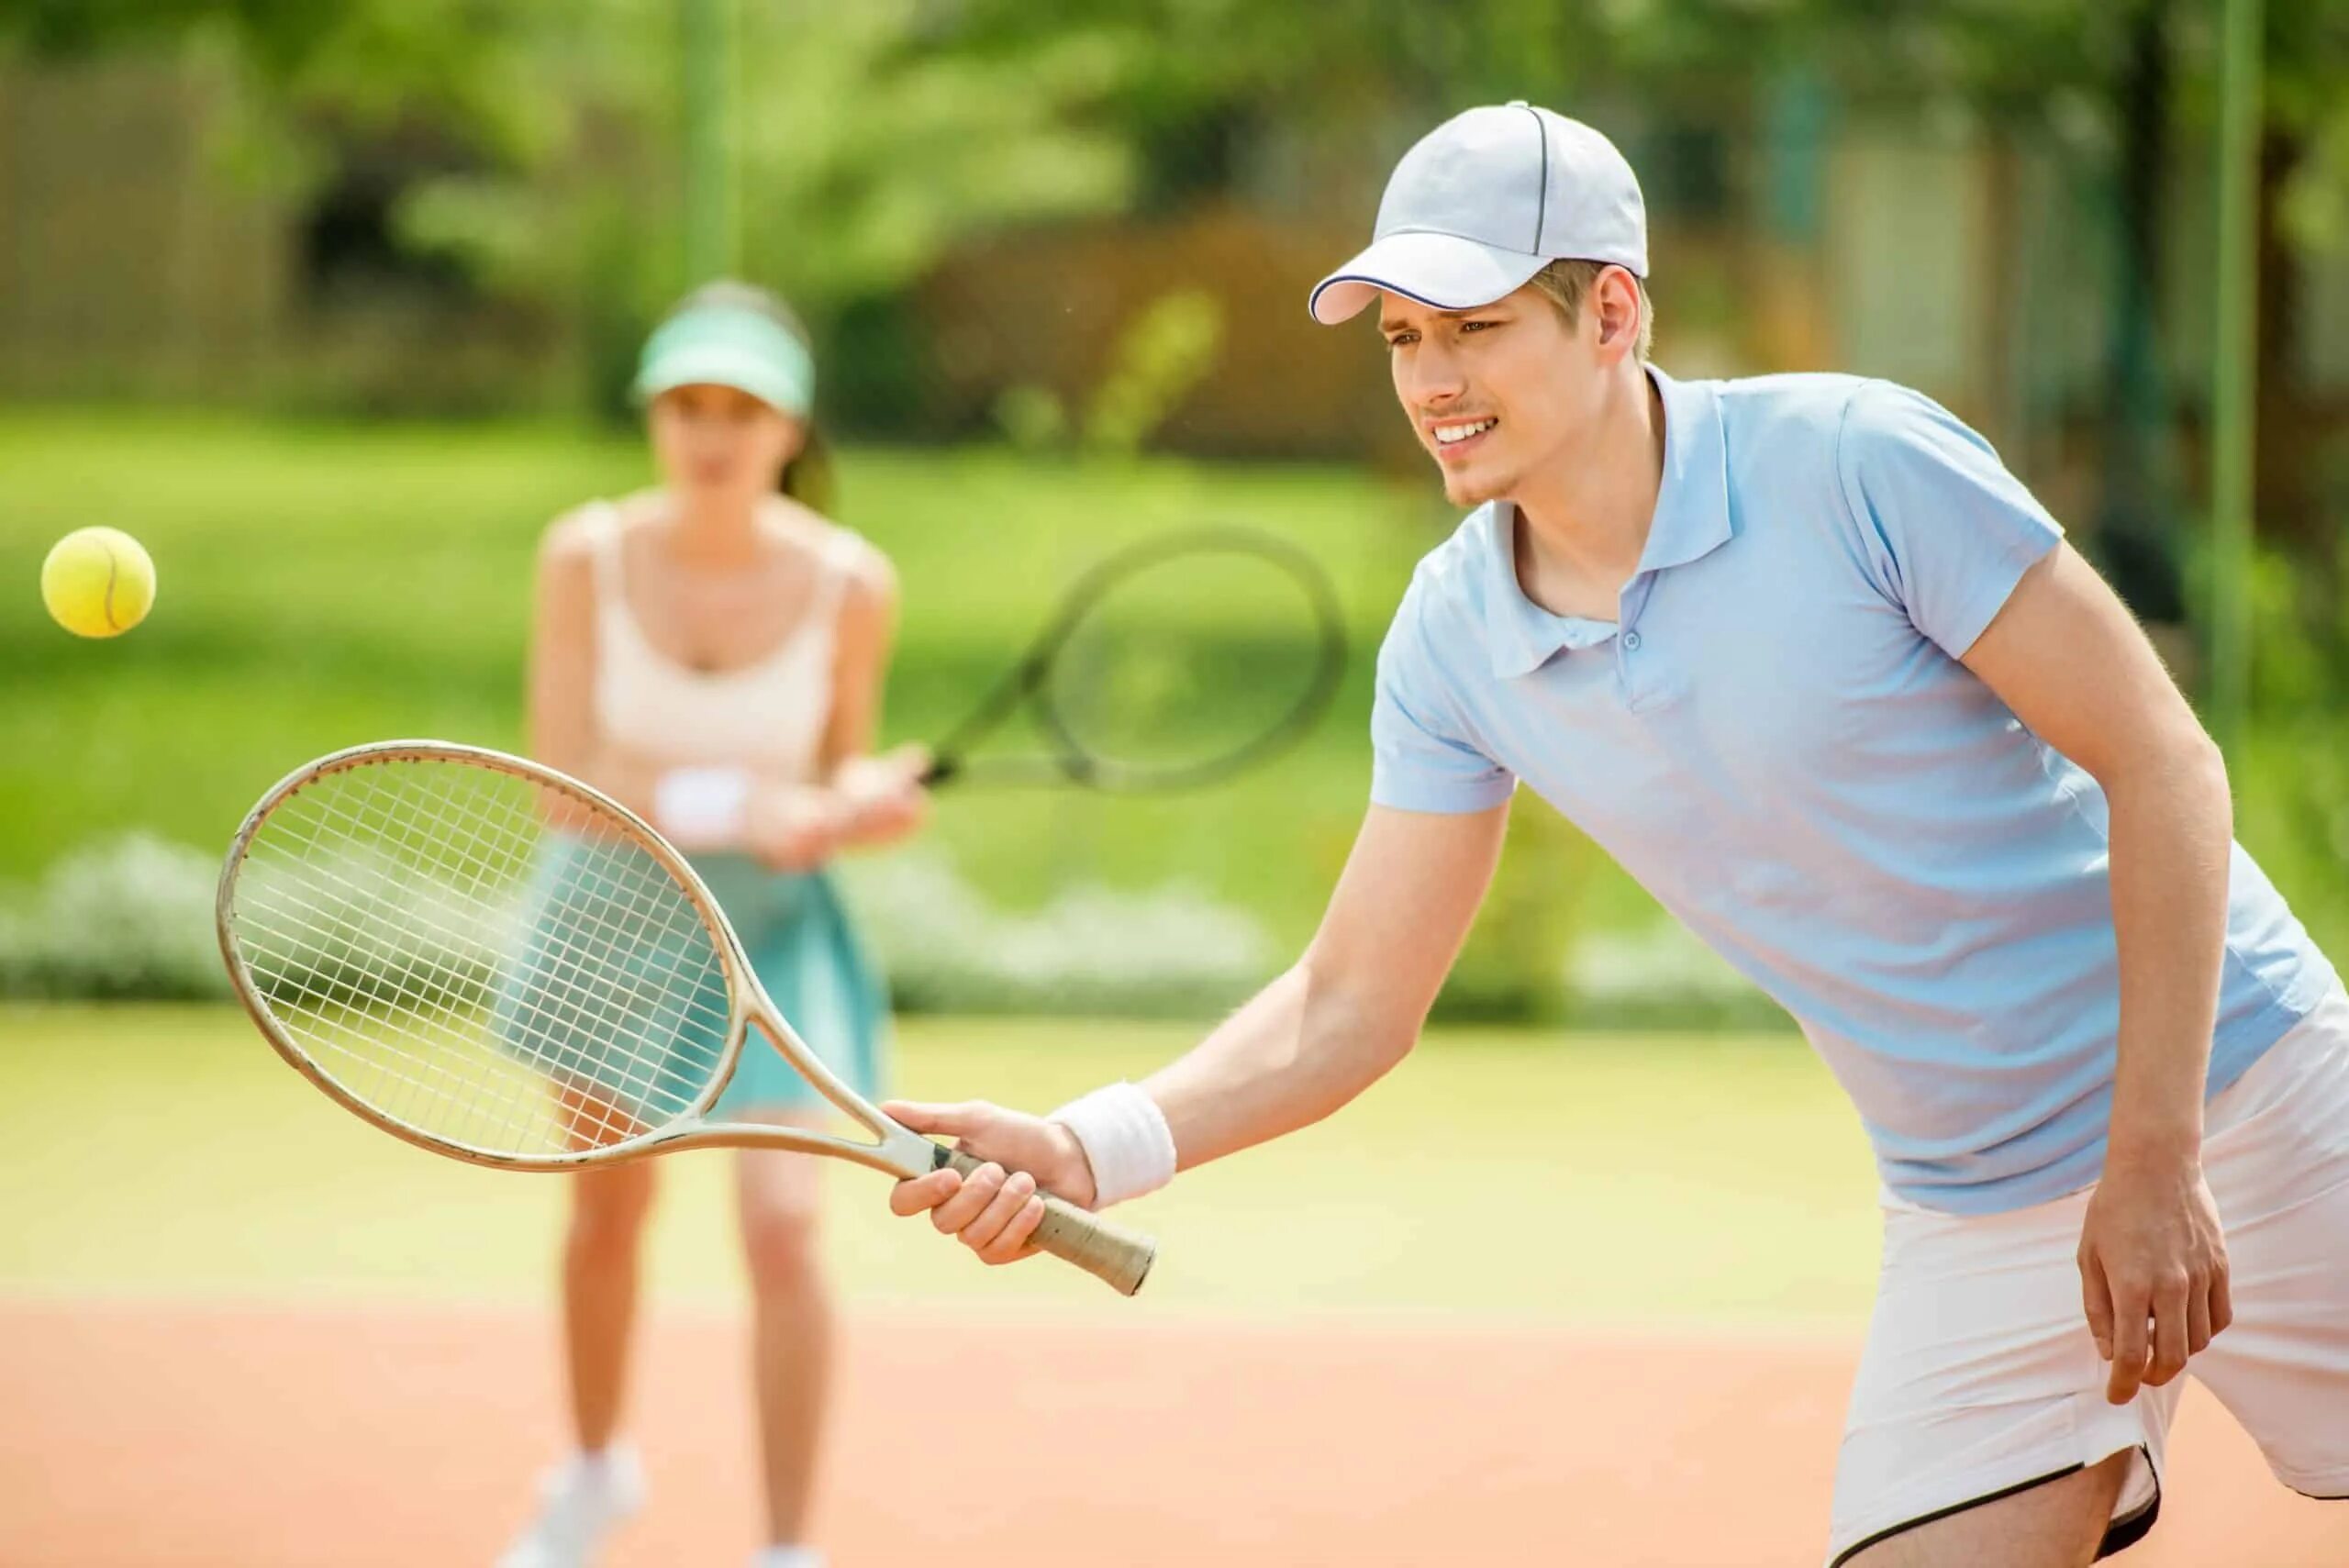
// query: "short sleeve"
[[1419, 759], [1949, 531]]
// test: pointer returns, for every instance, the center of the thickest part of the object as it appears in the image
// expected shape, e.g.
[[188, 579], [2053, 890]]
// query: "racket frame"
[[897, 1151]]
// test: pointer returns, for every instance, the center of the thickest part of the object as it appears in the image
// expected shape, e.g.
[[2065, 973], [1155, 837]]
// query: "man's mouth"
[[1456, 438]]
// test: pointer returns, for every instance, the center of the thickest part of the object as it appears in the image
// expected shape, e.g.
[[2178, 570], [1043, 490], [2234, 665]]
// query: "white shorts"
[[1980, 1378]]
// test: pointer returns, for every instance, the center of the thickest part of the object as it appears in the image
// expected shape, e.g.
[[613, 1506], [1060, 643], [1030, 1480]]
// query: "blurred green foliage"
[[1156, 362], [326, 584], [2291, 768], [875, 135], [536, 139], [535, 142], [323, 584]]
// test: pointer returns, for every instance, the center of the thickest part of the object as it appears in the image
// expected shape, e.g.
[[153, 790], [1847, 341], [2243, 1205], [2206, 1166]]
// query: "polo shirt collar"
[[1691, 520]]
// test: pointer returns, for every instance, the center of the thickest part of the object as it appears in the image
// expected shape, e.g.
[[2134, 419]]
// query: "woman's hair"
[[1567, 283], [808, 477]]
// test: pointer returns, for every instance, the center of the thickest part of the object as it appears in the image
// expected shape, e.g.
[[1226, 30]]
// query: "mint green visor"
[[722, 346]]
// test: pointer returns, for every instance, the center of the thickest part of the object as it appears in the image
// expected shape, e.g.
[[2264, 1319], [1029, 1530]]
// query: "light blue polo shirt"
[[1777, 739]]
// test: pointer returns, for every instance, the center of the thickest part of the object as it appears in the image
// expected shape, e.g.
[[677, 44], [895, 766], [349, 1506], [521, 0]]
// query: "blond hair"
[[1566, 283]]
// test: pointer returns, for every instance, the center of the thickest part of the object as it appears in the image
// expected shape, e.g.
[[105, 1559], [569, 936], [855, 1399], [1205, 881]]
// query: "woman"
[[712, 652]]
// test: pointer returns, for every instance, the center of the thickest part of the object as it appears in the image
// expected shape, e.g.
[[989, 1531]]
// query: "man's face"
[[1496, 392]]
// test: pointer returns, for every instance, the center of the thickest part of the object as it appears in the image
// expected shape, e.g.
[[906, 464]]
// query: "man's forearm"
[[1295, 1054], [2172, 828]]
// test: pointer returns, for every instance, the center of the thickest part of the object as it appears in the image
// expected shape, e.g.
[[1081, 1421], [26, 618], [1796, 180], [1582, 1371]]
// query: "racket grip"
[[1109, 1251]]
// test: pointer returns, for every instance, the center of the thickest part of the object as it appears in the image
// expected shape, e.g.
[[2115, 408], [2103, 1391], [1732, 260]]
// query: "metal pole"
[[713, 239], [2234, 410]]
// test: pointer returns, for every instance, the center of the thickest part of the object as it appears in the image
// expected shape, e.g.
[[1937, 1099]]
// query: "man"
[[1813, 666]]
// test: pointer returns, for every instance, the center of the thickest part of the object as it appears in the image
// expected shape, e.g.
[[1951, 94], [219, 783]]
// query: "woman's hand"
[[882, 798], [871, 800], [793, 827]]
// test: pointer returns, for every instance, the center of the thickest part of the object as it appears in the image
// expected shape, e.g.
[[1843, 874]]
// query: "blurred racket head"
[[1174, 664]]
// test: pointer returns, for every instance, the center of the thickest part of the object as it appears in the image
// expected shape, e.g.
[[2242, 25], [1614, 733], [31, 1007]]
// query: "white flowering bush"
[[949, 948], [130, 917]]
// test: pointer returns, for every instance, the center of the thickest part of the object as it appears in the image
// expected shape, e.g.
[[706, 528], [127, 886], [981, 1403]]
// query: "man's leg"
[[2054, 1524], [2277, 1159], [1979, 1429]]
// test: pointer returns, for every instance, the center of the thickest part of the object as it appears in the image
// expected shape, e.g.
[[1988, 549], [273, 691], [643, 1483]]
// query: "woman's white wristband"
[[702, 808], [1125, 1139]]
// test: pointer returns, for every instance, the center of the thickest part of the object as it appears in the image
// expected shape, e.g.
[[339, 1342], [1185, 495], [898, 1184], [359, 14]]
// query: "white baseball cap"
[[1485, 201]]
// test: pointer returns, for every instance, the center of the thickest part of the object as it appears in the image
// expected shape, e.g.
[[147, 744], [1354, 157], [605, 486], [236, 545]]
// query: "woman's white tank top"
[[769, 714]]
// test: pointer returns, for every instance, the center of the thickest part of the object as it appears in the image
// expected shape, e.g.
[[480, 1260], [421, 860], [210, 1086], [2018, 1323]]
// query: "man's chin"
[[1472, 489]]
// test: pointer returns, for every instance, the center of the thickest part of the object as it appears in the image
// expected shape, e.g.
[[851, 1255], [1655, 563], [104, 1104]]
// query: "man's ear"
[[1614, 304]]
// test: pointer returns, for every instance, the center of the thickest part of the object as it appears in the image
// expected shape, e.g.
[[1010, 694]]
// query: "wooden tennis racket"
[[499, 963]]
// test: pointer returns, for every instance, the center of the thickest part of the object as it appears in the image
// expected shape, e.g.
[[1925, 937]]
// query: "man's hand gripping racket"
[[501, 965], [982, 1208]]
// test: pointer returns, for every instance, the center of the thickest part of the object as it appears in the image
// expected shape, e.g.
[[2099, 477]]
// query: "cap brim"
[[723, 364], [1440, 269]]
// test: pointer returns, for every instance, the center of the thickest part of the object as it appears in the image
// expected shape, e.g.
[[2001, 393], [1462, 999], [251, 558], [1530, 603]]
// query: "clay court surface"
[[1593, 1304], [137, 1434]]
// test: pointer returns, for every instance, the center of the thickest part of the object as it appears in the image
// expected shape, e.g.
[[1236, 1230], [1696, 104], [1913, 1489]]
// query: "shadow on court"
[[144, 1434]]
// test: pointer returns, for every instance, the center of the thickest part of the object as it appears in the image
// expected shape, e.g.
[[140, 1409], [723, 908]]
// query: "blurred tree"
[[873, 137], [2122, 88], [2117, 89], [465, 64], [869, 145], [877, 134]]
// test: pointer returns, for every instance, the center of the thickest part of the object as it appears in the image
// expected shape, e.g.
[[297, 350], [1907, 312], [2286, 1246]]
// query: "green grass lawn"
[[1591, 1179], [323, 584]]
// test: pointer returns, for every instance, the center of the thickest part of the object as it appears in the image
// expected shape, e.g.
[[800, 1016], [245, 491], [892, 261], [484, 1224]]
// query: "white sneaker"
[[580, 1502], [787, 1557]]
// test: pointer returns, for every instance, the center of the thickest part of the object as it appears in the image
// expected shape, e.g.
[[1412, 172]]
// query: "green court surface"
[[1590, 1180]]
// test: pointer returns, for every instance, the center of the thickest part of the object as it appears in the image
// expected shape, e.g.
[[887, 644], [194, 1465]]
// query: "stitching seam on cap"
[[1541, 204]]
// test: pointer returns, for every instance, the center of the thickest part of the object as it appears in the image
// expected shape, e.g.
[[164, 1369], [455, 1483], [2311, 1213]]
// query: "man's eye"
[[1476, 325], [1402, 338]]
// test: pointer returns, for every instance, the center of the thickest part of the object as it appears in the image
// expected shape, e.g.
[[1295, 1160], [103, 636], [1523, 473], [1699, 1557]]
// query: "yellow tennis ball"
[[98, 582]]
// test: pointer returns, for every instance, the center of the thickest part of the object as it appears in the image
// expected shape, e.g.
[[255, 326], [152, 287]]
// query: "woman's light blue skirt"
[[597, 1039], [805, 950]]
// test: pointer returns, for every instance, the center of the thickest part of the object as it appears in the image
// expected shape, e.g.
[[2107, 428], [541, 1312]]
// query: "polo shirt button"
[[1632, 641]]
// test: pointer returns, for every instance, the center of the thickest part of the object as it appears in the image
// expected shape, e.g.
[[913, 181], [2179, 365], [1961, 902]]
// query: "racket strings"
[[439, 1006], [367, 963], [298, 926], [480, 957]]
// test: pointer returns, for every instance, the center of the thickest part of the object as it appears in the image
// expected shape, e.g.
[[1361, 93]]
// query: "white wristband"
[[702, 808], [1125, 1139]]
